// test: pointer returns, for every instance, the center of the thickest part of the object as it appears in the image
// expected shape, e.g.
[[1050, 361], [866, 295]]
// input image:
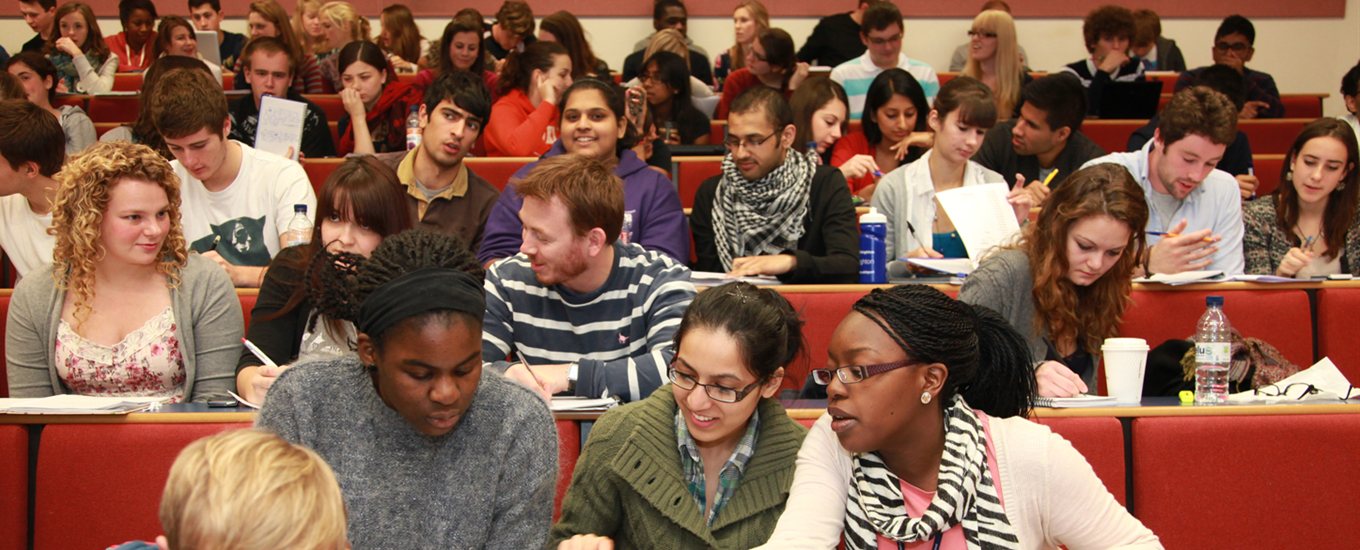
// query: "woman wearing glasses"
[[707, 460], [925, 444], [994, 59]]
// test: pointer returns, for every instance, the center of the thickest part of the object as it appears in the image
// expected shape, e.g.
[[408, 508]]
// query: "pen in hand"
[[519, 355]]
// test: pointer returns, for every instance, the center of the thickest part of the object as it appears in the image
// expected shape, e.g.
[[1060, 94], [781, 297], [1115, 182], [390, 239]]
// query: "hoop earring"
[[925, 398]]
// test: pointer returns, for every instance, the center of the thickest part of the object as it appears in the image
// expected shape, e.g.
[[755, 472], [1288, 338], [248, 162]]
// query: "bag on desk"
[[1255, 363]]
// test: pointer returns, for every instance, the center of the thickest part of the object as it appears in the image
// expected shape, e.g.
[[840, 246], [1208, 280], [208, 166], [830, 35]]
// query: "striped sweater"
[[619, 335]]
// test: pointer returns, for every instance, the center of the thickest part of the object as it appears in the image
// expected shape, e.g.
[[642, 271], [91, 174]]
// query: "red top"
[[128, 60], [739, 81], [518, 129], [854, 143]]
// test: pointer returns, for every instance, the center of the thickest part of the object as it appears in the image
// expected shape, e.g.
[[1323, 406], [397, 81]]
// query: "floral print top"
[[147, 362]]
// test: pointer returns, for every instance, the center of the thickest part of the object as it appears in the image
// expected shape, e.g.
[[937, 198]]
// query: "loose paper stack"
[[982, 216], [76, 404]]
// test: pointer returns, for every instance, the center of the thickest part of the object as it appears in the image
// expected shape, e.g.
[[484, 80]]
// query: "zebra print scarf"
[[965, 494], [762, 217]]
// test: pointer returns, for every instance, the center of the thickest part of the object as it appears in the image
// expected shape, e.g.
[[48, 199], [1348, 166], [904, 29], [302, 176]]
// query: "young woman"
[[135, 45], [749, 19], [893, 132], [125, 310], [715, 438], [666, 79], [674, 41], [267, 18], [307, 27], [176, 37], [143, 130], [39, 79], [523, 121], [11, 88], [412, 420], [303, 311], [563, 27], [401, 38], [459, 49], [1066, 284], [770, 62], [342, 25], [84, 63], [374, 96], [821, 115], [964, 111], [994, 58], [593, 125], [1308, 226], [925, 442]]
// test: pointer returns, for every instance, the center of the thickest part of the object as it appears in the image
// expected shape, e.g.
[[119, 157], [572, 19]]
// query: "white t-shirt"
[[23, 234], [243, 221]]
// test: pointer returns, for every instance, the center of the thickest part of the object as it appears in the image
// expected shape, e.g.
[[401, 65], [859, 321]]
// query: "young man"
[[39, 15], [1158, 52], [1045, 137], [268, 68], [33, 149], [774, 211], [443, 193], [1233, 46], [669, 14], [207, 16], [236, 199], [881, 33], [835, 38], [1107, 31], [1193, 208], [512, 31], [591, 315], [1350, 95]]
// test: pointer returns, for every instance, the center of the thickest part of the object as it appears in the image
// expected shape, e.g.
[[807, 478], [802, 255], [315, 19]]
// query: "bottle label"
[[1213, 353]]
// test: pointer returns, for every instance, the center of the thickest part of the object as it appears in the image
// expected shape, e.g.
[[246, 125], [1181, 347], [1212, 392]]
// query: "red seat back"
[[498, 170], [4, 317], [320, 169], [14, 487], [1101, 441], [1281, 317], [690, 172], [568, 450], [329, 104], [114, 108], [247, 298], [127, 82], [1336, 309], [821, 313], [1268, 169], [1111, 135], [1272, 136]]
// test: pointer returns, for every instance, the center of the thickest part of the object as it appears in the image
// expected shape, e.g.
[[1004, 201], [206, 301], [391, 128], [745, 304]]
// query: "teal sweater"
[[628, 484]]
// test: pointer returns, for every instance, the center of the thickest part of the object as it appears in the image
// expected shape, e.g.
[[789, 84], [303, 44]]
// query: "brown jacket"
[[460, 209]]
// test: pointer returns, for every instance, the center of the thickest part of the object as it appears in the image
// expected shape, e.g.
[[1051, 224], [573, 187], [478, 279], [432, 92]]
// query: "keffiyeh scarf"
[[762, 217]]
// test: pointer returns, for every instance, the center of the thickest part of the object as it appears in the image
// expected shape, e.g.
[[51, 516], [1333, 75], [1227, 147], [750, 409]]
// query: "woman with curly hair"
[[304, 311], [1066, 284], [124, 310]]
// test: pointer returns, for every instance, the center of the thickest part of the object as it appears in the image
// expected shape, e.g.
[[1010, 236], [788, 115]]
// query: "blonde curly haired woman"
[[123, 310]]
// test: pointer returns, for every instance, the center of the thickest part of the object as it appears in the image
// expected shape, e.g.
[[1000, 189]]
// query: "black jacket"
[[997, 154]]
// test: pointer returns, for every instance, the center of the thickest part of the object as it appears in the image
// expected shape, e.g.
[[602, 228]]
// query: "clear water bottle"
[[413, 128], [873, 249], [299, 230], [626, 232], [1213, 354]]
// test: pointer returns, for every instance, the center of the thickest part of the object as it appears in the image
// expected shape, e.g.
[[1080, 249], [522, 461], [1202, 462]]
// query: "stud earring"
[[925, 398]]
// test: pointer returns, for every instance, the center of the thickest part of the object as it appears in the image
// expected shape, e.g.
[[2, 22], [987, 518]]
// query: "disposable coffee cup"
[[1125, 361]]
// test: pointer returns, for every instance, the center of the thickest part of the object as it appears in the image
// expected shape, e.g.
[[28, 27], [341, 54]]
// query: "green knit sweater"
[[628, 484]]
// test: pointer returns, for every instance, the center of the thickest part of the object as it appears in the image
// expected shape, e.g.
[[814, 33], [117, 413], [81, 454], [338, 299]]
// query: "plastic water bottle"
[[413, 128], [873, 247], [1213, 354], [299, 230], [626, 232]]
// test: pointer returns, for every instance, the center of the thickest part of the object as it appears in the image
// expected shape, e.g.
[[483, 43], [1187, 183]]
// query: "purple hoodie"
[[649, 198]]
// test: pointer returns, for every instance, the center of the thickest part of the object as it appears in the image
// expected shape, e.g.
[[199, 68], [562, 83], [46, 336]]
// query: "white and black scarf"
[[762, 217], [965, 494]]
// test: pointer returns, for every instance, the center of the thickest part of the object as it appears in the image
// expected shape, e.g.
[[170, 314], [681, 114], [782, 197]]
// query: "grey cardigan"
[[208, 324]]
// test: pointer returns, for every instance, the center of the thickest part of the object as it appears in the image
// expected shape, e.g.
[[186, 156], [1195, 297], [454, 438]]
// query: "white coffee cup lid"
[[1125, 344]]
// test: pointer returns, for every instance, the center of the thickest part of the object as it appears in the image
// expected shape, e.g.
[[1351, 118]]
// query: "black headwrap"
[[421, 291]]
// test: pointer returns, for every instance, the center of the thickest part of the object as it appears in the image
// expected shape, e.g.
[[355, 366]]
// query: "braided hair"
[[405, 253], [766, 328], [989, 362]]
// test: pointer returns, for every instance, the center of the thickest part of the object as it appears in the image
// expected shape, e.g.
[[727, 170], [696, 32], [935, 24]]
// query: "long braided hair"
[[988, 361], [407, 252]]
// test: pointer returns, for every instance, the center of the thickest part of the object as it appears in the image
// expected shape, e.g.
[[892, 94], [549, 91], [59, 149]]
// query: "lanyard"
[[938, 537], [127, 49]]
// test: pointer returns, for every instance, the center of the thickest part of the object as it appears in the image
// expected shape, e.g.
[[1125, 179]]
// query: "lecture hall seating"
[[495, 170], [1101, 441], [14, 487], [1281, 317], [1336, 314]]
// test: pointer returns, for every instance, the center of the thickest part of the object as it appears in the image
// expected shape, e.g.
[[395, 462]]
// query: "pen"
[[258, 354], [1050, 177], [1167, 234], [1308, 243], [528, 367], [878, 174]]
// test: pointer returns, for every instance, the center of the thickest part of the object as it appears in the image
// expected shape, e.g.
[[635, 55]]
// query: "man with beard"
[[1045, 137], [577, 310]]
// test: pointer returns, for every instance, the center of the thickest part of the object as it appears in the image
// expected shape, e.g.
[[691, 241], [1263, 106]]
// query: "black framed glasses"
[[885, 41], [1351, 391], [854, 374], [974, 33], [1238, 47], [1276, 391], [749, 142], [721, 394]]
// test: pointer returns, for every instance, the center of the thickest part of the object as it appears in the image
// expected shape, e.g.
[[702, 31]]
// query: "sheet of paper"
[[713, 278], [570, 403], [981, 215], [956, 267], [1263, 279], [1325, 378], [76, 404], [280, 126], [1075, 402], [1182, 278]]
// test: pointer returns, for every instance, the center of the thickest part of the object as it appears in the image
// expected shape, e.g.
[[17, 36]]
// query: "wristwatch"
[[572, 373]]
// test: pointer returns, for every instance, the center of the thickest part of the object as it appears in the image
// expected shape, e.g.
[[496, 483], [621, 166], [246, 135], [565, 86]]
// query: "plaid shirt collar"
[[692, 464]]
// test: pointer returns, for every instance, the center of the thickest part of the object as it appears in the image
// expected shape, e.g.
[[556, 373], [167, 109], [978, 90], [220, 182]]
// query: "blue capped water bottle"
[[873, 248]]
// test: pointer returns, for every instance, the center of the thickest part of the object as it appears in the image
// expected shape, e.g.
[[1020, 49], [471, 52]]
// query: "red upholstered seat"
[[248, 299], [101, 484], [1336, 309], [1280, 317], [127, 82], [13, 487], [329, 104], [114, 108], [821, 313], [320, 169], [1268, 169], [1248, 481], [497, 170], [568, 450], [690, 172], [1101, 441], [4, 317], [1272, 136]]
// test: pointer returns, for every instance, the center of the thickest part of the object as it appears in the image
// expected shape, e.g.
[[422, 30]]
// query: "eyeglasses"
[[1238, 47], [721, 394], [974, 33], [749, 142], [1276, 391], [885, 41], [645, 77], [854, 374]]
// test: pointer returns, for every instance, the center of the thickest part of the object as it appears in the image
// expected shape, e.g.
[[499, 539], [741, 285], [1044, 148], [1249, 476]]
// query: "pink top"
[[148, 362]]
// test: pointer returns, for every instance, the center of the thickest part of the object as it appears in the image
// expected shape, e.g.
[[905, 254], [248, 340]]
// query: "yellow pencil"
[[1050, 177]]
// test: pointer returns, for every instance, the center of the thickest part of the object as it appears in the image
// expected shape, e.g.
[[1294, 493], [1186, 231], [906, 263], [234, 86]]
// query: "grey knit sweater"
[[487, 484]]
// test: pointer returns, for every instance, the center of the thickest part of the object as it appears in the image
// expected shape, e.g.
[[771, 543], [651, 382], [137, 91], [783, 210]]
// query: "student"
[[143, 129], [237, 199], [1107, 30], [667, 83], [342, 25], [207, 16], [401, 38], [30, 144], [821, 117], [529, 86], [773, 211], [84, 62], [249, 489], [1233, 46], [267, 18], [135, 45], [39, 78], [592, 314], [893, 132], [718, 418], [303, 311], [374, 96], [1157, 52], [460, 49], [769, 62], [176, 37], [917, 228], [1308, 228], [594, 126], [835, 39], [1045, 137], [307, 27], [1065, 285], [1197, 206], [563, 27], [1350, 95], [269, 70], [671, 40], [669, 15], [882, 35], [441, 193], [40, 15], [11, 88], [924, 390], [430, 451], [994, 59], [961, 54], [124, 309], [749, 19], [513, 30]]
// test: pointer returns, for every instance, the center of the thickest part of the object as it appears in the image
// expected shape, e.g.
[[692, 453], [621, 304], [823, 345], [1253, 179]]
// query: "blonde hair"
[[309, 44], [341, 12], [668, 40], [761, 16], [1008, 65], [251, 489], [82, 199]]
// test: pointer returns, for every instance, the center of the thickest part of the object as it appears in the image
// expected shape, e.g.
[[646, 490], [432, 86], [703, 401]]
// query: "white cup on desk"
[[1125, 361]]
